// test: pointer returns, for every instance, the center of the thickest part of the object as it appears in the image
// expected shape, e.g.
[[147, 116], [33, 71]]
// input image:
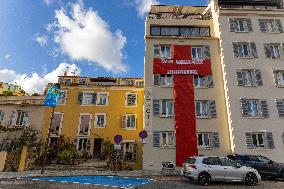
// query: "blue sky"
[[37, 36]]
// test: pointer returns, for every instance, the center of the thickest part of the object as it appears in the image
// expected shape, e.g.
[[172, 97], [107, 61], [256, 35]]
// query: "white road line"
[[87, 183], [35, 179], [52, 180], [63, 181], [76, 182]]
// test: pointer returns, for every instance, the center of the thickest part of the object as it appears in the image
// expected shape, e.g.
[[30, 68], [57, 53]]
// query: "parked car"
[[266, 167], [205, 169]]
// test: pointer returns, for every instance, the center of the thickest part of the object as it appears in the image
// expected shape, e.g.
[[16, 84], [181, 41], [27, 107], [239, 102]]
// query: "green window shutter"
[[279, 26], [156, 107], [212, 109], [236, 49], [270, 141], [240, 78], [249, 25], [156, 139], [94, 98], [264, 108], [80, 98], [258, 77], [267, 51], [253, 50], [262, 26], [215, 140], [280, 107], [232, 25], [206, 52], [249, 142], [244, 106]]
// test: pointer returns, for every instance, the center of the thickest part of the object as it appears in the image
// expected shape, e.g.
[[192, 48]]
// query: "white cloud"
[[41, 39], [7, 56], [84, 36], [47, 2], [143, 6], [36, 83]]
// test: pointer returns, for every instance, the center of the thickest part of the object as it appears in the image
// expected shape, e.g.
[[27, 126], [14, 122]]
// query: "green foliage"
[[107, 149], [28, 138], [7, 93]]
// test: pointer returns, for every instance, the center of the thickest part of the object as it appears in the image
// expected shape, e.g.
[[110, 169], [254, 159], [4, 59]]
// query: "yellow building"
[[91, 110], [15, 89]]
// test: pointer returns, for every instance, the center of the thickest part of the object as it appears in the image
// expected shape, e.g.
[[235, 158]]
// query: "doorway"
[[97, 148]]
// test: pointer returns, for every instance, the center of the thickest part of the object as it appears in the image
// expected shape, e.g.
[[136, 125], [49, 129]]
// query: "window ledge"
[[249, 57], [101, 105], [203, 117], [166, 86], [97, 127], [205, 148], [260, 149], [255, 117], [131, 129], [166, 116], [167, 147], [201, 87], [242, 31]]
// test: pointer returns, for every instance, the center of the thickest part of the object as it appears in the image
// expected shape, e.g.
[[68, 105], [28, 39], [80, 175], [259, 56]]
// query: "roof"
[[277, 3], [176, 8]]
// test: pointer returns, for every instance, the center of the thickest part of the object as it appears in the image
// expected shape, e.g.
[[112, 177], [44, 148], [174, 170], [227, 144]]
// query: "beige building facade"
[[239, 108]]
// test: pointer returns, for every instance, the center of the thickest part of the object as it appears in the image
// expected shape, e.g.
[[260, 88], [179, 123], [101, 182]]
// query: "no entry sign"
[[118, 139]]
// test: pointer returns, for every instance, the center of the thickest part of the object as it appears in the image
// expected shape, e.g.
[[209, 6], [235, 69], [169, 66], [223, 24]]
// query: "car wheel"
[[204, 179], [251, 179], [282, 175]]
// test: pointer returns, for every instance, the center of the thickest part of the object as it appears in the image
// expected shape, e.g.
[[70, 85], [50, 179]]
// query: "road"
[[161, 182]]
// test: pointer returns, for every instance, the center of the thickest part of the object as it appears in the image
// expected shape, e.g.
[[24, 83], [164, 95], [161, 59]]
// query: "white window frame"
[[253, 114], [203, 139], [167, 139], [242, 51], [245, 74], [167, 109], [96, 120], [22, 113], [280, 78], [163, 55], [257, 139], [197, 56], [126, 102], [202, 114], [275, 51], [237, 24], [89, 127], [132, 143], [60, 126], [78, 142], [65, 99], [168, 80], [126, 121], [198, 78], [98, 98], [84, 96]]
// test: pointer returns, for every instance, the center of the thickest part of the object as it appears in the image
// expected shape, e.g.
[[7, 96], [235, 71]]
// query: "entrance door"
[[97, 148]]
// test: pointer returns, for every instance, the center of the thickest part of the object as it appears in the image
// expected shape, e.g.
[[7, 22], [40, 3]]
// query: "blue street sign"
[[52, 96]]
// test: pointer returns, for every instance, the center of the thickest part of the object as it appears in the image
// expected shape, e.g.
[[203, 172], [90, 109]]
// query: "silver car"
[[206, 169]]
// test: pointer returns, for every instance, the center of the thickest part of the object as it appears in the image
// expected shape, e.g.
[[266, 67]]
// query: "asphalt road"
[[161, 182]]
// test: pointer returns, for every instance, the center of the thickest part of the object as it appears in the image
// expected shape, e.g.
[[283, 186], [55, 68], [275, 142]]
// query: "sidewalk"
[[36, 173]]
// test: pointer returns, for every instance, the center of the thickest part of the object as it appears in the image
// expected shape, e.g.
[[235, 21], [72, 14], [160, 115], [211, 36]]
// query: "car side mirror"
[[238, 166]]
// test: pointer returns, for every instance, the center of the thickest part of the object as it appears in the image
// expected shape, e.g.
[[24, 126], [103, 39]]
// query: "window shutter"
[[249, 25], [210, 82], [267, 51], [94, 98], [258, 78], [206, 52], [123, 121], [212, 109], [2, 113], [279, 26], [26, 119], [236, 49], [282, 51], [215, 140], [249, 142], [80, 97], [283, 137], [232, 25], [262, 26], [156, 79], [88, 144], [13, 119], [156, 107], [244, 107], [253, 49], [240, 78], [276, 78], [270, 142], [280, 107], [156, 51], [264, 108], [156, 139]]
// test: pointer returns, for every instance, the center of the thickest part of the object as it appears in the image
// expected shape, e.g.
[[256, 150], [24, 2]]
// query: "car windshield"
[[264, 159], [228, 162]]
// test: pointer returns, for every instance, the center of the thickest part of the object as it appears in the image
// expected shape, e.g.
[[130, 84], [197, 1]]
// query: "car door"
[[231, 170], [214, 168], [269, 168]]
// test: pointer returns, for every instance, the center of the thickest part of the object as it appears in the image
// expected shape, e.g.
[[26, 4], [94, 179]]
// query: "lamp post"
[[51, 101]]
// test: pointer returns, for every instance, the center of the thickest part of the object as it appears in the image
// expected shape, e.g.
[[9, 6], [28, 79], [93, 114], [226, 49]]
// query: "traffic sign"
[[118, 139]]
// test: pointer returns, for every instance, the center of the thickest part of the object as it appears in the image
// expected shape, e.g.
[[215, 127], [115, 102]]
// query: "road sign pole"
[[47, 142]]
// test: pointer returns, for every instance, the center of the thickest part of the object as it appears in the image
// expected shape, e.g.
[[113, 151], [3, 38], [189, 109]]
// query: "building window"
[[204, 140], [280, 107], [82, 144], [1, 117], [197, 53], [129, 151], [56, 124], [203, 81], [87, 98], [100, 120], [131, 99], [167, 107], [271, 26], [183, 31], [205, 109], [84, 124], [53, 141], [165, 52], [22, 118], [274, 51], [244, 50], [254, 108], [102, 99], [279, 78], [167, 138], [129, 121], [249, 78], [258, 140], [62, 97], [164, 80], [240, 25], [82, 81]]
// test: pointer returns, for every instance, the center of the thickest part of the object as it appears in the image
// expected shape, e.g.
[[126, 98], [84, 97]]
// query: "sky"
[[41, 39]]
